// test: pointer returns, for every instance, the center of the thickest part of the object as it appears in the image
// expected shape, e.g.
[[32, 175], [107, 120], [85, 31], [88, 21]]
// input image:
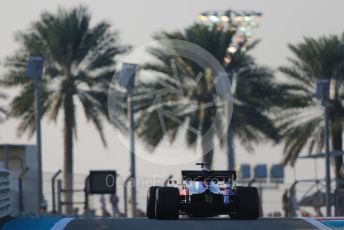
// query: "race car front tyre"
[[246, 202], [150, 206], [167, 203]]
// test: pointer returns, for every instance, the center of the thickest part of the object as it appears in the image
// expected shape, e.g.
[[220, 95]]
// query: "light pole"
[[35, 71], [325, 94], [327, 162], [127, 80], [243, 23]]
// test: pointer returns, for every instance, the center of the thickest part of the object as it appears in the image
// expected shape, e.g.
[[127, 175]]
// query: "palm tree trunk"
[[208, 153], [68, 149], [207, 141]]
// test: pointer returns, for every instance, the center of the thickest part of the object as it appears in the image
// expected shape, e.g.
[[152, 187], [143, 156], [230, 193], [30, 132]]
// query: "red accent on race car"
[[184, 192]]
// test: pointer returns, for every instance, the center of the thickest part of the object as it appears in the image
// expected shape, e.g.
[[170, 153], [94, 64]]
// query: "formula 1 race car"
[[203, 193]]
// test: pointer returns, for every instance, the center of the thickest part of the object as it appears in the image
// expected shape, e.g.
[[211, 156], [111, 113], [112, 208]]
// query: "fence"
[[272, 197], [4, 193]]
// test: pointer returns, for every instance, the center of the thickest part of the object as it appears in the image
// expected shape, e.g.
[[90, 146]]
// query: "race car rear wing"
[[200, 175]]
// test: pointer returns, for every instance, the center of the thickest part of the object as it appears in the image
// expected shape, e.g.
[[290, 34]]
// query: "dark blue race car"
[[203, 193]]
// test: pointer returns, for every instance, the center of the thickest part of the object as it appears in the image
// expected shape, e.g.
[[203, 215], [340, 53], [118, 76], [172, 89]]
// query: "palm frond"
[[313, 59]]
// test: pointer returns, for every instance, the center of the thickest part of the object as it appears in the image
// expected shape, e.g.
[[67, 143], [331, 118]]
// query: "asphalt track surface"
[[56, 223], [190, 224]]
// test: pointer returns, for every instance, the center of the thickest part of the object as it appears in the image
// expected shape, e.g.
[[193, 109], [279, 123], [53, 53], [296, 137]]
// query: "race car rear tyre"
[[150, 206], [246, 202], [167, 203]]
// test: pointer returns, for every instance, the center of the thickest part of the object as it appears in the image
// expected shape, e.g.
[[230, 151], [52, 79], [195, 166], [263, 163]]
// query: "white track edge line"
[[316, 223], [61, 224]]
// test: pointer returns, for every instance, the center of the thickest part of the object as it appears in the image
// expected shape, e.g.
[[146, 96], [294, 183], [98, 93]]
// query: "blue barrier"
[[31, 224]]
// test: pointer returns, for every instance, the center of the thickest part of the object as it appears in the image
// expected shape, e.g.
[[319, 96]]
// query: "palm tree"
[[79, 65], [302, 121], [256, 95], [2, 109]]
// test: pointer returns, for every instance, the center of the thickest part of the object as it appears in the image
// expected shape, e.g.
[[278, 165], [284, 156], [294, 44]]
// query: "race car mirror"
[[172, 181], [102, 182]]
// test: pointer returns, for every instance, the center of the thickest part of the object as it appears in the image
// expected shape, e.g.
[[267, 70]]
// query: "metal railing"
[[4, 193]]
